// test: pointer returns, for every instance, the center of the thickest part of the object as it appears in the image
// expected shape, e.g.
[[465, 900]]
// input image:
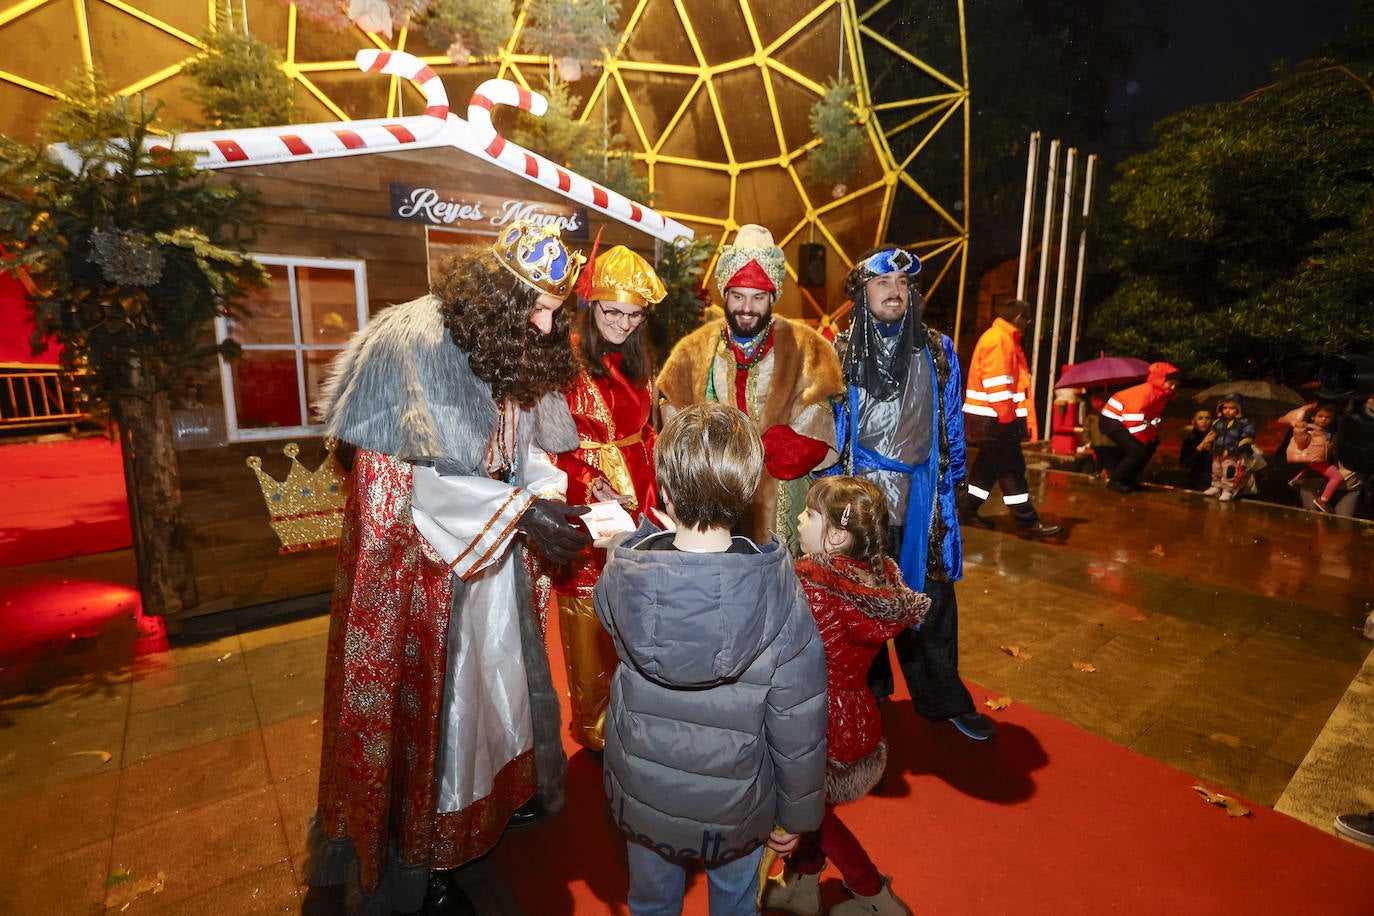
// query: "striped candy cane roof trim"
[[436, 127]]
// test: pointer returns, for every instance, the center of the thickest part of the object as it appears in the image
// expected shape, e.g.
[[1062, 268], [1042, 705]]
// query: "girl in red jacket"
[[859, 601]]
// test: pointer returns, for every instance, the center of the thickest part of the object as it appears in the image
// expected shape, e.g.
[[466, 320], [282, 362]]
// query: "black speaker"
[[811, 265]]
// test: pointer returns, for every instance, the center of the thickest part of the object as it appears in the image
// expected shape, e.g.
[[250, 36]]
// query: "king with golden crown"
[[436, 734]]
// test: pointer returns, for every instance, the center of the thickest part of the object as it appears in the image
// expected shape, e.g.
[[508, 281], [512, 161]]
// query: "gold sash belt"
[[612, 464]]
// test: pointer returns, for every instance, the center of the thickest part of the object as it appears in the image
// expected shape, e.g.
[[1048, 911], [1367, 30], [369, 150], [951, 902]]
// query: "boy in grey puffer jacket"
[[715, 731]]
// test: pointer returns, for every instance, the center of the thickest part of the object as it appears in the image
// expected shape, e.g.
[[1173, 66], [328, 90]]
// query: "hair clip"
[[844, 516]]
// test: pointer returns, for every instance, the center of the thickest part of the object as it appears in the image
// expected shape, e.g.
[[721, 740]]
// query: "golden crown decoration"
[[306, 508], [536, 254]]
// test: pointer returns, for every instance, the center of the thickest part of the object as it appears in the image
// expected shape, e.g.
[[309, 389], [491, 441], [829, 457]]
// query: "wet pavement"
[[1223, 638]]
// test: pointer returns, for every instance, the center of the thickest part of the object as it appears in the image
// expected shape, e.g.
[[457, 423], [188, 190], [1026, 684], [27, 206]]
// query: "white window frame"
[[223, 328]]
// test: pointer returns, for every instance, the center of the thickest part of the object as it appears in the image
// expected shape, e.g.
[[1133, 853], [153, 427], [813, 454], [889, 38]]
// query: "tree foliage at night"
[[133, 253], [1242, 244]]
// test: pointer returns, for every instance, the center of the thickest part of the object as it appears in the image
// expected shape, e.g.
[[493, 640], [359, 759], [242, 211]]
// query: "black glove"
[[549, 524]]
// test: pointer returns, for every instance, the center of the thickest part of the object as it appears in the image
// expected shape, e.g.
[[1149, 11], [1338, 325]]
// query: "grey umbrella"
[[1252, 391]]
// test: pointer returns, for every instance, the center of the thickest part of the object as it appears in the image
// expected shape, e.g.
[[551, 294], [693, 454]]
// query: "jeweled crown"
[[536, 254], [306, 508]]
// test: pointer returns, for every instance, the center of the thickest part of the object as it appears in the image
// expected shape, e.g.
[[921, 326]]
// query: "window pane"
[[268, 318], [317, 364], [329, 304], [265, 391]]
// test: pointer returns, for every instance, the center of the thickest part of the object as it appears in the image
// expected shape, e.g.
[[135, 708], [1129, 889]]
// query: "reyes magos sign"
[[482, 212]]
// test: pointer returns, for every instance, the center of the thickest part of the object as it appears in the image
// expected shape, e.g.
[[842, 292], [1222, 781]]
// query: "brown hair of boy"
[[708, 461]]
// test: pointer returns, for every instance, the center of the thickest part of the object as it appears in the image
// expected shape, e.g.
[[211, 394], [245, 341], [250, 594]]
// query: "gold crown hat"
[[751, 261], [536, 254], [621, 275]]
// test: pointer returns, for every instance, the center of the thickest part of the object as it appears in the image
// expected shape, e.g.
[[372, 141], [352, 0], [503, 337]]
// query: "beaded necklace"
[[742, 363]]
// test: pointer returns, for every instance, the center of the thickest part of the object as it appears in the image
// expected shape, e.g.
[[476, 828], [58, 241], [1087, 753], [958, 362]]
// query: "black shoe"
[[597, 754], [1356, 826], [977, 521], [974, 724], [527, 815], [1039, 530], [445, 898], [1119, 487]]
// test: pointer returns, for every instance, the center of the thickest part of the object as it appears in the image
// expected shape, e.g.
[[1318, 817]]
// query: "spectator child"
[[1196, 460], [715, 729], [1231, 441], [860, 601], [1310, 447], [1105, 453]]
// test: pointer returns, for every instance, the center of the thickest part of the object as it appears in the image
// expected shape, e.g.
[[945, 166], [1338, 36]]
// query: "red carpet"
[[61, 499], [1046, 818]]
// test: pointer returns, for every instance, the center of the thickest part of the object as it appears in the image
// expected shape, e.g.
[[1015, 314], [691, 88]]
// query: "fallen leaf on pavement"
[[118, 876], [1233, 807], [1137, 617], [104, 756], [129, 890], [999, 703], [1085, 666], [1016, 652], [1157, 550]]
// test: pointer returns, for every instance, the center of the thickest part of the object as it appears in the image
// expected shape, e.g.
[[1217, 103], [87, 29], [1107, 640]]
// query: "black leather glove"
[[549, 524]]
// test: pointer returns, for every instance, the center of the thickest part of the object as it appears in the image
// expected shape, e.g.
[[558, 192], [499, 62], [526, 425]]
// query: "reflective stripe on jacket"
[[999, 378], [1141, 407]]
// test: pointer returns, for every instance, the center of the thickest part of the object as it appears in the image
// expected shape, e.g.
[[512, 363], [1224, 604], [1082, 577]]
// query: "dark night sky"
[[1217, 50]]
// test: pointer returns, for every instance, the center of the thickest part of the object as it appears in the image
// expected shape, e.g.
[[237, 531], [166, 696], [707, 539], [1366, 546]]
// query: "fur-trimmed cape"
[[796, 382], [403, 388]]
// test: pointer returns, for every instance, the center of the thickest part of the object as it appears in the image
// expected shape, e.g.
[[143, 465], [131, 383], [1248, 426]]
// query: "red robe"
[[383, 692], [606, 410]]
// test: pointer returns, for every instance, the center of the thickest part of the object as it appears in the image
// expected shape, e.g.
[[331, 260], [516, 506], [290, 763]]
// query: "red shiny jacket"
[[855, 618]]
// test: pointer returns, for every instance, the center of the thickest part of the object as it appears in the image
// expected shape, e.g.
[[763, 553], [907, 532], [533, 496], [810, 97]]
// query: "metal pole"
[[1069, 162], [1027, 211], [1052, 169], [1082, 252]]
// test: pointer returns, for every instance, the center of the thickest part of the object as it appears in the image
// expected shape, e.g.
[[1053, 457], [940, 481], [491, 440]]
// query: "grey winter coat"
[[715, 730]]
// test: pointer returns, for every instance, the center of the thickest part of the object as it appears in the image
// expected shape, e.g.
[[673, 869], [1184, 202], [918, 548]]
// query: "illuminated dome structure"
[[714, 98]]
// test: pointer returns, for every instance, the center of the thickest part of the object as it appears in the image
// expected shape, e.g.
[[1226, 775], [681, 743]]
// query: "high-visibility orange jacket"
[[1140, 407], [999, 378]]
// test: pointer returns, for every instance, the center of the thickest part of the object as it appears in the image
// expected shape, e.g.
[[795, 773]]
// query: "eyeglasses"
[[616, 316]]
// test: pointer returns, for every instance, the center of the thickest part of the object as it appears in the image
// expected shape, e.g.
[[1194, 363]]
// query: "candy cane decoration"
[[523, 162], [436, 127], [225, 148]]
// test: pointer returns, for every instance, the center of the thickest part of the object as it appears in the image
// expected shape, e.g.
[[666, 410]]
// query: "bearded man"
[[901, 426], [440, 717], [780, 373]]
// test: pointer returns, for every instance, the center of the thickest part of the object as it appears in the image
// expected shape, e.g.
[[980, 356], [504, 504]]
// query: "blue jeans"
[[657, 884]]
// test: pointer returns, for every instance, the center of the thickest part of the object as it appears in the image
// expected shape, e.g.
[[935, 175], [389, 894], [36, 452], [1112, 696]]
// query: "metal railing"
[[38, 397]]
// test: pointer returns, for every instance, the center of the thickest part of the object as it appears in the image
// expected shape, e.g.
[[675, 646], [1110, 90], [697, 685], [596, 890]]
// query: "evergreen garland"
[[682, 268], [477, 27], [238, 82], [842, 138], [581, 30]]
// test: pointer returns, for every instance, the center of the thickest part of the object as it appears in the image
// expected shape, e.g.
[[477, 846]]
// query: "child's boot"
[[883, 903], [1213, 490], [794, 893]]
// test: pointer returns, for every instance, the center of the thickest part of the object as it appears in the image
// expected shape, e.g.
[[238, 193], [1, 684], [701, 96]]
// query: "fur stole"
[[849, 782], [800, 355], [855, 583], [403, 388]]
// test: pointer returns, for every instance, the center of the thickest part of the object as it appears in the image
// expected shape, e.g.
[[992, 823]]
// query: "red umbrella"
[[1105, 370]]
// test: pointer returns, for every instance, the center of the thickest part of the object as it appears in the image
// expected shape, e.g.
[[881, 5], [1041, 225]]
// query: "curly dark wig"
[[636, 353], [487, 313]]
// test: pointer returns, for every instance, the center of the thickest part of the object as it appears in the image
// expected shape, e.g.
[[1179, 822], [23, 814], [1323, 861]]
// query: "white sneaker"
[[1211, 491], [1227, 497]]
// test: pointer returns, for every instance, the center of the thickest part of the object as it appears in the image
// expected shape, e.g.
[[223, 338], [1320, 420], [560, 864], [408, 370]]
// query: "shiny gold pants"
[[589, 653]]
